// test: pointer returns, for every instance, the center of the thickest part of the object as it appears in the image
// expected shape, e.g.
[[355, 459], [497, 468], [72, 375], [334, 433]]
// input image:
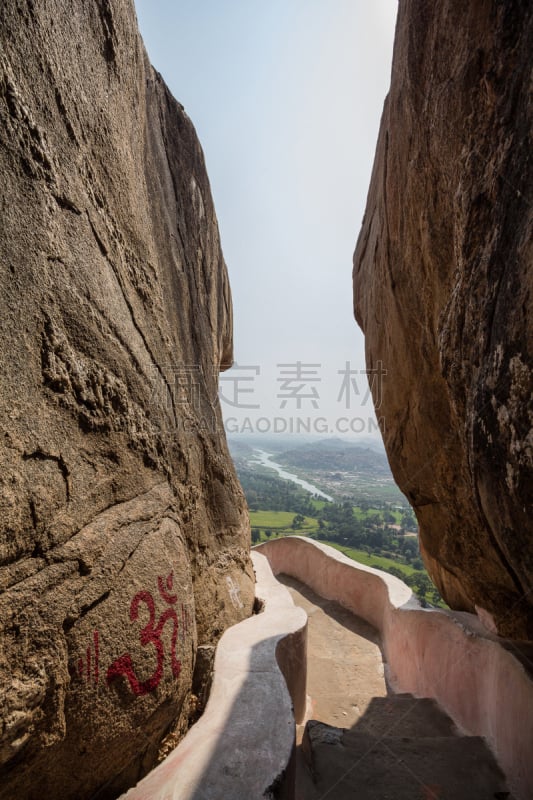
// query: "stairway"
[[363, 742], [403, 748]]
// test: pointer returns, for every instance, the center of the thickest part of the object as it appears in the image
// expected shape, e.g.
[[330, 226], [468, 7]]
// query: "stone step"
[[400, 715], [357, 764]]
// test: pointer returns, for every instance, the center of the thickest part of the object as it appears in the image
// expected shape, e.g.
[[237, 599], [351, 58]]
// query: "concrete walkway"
[[368, 742]]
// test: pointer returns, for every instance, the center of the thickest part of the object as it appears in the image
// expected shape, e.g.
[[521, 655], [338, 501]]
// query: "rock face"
[[442, 276], [123, 530]]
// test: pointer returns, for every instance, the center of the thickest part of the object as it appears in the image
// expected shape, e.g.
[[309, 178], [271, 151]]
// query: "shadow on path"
[[361, 740]]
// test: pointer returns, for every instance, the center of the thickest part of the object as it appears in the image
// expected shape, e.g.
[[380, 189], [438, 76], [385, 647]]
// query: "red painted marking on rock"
[[150, 634], [171, 599], [96, 643]]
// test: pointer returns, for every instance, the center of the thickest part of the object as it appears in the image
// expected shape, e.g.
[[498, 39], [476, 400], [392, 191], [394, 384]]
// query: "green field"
[[280, 521], [280, 524], [379, 562], [360, 513]]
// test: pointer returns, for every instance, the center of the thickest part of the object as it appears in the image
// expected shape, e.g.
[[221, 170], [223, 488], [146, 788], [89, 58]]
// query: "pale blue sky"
[[286, 97]]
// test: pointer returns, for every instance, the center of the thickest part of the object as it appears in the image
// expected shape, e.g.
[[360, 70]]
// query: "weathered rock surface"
[[123, 531], [443, 279]]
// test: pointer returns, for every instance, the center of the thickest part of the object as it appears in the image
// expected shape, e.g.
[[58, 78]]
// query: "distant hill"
[[284, 443], [239, 449], [336, 455]]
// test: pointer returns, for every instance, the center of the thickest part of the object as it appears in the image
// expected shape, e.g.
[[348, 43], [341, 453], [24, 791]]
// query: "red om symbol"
[[150, 634]]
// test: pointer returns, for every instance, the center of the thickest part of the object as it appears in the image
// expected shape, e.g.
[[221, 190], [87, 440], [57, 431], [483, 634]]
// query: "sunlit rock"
[[443, 283]]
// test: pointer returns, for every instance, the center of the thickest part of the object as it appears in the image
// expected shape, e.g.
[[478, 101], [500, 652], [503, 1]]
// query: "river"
[[265, 459]]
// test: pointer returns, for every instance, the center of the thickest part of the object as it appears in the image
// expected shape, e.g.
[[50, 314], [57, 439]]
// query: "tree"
[[408, 521], [409, 548], [376, 539], [256, 536], [397, 572], [297, 522]]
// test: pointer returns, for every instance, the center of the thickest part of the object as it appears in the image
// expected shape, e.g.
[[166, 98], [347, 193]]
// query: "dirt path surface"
[[344, 670], [344, 663], [363, 740]]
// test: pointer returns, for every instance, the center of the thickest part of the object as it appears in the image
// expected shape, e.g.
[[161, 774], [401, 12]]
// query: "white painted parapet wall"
[[242, 745], [429, 653]]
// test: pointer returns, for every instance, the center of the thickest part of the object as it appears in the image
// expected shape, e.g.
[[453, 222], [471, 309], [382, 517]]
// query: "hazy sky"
[[286, 97]]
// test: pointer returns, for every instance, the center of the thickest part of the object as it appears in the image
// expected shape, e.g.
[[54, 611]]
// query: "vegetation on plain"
[[375, 533]]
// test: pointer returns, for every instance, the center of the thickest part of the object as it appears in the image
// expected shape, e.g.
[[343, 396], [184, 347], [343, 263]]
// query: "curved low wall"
[[429, 653], [243, 744]]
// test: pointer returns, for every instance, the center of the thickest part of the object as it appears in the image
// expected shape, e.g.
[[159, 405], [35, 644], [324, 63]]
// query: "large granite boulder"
[[443, 287], [123, 530]]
